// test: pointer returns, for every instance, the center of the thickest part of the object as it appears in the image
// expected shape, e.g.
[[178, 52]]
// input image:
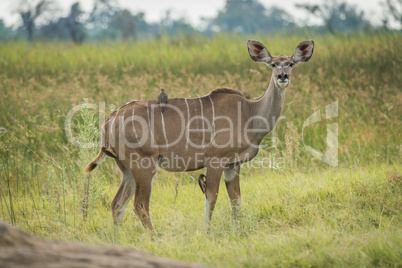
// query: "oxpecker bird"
[[162, 99]]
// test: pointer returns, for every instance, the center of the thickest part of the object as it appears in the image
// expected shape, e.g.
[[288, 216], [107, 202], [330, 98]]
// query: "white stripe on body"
[[163, 128], [188, 127], [213, 117], [111, 127], [195, 113], [135, 133], [202, 118], [149, 126]]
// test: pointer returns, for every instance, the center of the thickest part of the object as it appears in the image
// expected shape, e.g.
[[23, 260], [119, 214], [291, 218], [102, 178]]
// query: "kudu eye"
[[291, 64], [273, 65]]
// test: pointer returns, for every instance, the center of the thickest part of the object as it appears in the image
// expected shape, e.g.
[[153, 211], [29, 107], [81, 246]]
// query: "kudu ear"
[[258, 52], [303, 51]]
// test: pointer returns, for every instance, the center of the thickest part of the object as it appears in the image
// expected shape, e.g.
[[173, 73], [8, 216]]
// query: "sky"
[[193, 10]]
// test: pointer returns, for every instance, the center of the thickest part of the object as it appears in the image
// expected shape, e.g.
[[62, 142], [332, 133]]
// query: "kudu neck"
[[270, 105]]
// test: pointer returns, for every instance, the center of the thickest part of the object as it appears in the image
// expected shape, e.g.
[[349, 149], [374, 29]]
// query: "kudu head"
[[281, 65]]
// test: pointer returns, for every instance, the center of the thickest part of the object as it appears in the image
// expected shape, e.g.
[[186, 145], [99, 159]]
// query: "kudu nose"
[[282, 77]]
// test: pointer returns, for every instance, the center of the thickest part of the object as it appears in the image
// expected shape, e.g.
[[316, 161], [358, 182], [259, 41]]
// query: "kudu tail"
[[109, 151], [94, 163]]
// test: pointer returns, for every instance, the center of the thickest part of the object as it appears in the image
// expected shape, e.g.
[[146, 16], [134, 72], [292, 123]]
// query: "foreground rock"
[[20, 249]]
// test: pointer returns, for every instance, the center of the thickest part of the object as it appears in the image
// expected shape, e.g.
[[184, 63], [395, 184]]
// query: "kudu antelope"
[[219, 132]]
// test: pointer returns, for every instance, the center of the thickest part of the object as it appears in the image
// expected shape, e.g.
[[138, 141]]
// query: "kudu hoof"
[[203, 183]]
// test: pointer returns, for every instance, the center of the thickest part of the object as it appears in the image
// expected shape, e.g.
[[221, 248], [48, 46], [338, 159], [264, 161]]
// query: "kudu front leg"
[[232, 181], [211, 192]]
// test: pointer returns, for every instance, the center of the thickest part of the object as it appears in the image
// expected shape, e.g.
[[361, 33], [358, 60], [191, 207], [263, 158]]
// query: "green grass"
[[304, 214]]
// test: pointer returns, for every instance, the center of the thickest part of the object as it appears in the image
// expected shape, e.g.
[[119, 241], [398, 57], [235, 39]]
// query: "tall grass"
[[301, 212]]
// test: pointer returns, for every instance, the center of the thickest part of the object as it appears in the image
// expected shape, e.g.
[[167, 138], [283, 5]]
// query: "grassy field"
[[302, 213]]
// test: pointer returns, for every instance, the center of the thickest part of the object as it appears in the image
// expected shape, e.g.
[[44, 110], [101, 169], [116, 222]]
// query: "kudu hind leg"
[[232, 181], [123, 195], [144, 180]]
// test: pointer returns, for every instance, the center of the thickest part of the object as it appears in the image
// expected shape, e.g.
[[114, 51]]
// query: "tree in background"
[[74, 24], [393, 10], [250, 16], [108, 21], [337, 16], [102, 14], [4, 31], [128, 24], [240, 16], [175, 26], [30, 11], [125, 22], [278, 19], [65, 28]]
